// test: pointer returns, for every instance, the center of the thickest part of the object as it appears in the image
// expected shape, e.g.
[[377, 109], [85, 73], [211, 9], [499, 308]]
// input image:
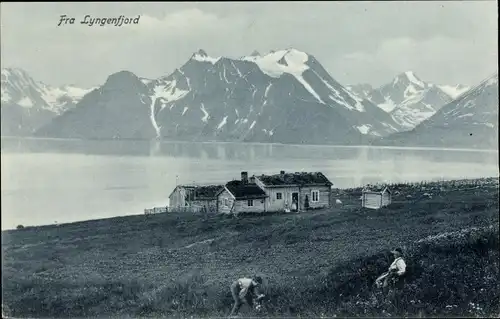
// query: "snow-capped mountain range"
[[284, 96], [471, 120], [28, 104], [408, 99]]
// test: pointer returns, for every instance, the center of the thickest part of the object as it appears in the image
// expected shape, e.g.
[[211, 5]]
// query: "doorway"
[[295, 202]]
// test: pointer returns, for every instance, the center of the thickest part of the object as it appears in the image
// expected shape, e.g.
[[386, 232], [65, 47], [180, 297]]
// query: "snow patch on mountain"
[[340, 99], [205, 113], [146, 81], [157, 93], [222, 123], [289, 61], [364, 129], [361, 90], [413, 79], [492, 80], [26, 102], [252, 125], [165, 92], [454, 91], [202, 56], [168, 91], [56, 97], [388, 105], [269, 64]]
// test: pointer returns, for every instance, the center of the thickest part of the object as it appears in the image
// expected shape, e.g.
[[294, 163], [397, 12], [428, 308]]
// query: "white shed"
[[376, 197]]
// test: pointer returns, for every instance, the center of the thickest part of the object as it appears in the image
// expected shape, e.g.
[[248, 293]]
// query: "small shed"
[[376, 197]]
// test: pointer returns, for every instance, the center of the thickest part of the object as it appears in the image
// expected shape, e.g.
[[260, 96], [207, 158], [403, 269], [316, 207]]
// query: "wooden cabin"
[[203, 197], [376, 197], [241, 196]]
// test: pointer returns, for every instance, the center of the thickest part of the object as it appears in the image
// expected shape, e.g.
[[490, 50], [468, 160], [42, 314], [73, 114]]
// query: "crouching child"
[[245, 290]]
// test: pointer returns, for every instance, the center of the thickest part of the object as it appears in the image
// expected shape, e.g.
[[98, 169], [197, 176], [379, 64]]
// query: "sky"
[[450, 42]]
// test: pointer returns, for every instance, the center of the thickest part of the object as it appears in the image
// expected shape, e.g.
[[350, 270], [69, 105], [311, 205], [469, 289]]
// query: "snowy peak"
[[273, 64], [409, 99], [409, 78], [19, 88], [255, 53], [276, 63], [202, 56], [470, 121], [28, 104], [202, 53]]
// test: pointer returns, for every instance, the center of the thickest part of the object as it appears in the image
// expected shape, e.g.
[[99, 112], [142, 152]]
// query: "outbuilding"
[[376, 197]]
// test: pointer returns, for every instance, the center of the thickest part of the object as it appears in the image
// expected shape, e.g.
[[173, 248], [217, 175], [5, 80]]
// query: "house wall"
[[371, 200], [177, 198], [275, 205], [278, 205], [323, 199], [210, 205], [386, 199], [241, 206], [222, 208]]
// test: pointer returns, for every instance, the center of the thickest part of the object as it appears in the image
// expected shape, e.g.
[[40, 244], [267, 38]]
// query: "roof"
[[242, 190], [299, 178], [209, 191], [375, 189], [203, 191]]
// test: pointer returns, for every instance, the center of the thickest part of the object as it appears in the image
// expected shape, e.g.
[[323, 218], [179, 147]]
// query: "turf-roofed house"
[[295, 191], [242, 196]]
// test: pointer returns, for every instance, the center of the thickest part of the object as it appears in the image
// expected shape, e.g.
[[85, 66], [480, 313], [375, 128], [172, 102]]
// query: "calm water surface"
[[46, 181]]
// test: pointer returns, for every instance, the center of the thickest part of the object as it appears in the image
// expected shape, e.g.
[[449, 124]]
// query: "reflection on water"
[[46, 180], [237, 151]]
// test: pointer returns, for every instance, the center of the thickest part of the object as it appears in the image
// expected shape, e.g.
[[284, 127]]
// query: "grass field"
[[317, 263]]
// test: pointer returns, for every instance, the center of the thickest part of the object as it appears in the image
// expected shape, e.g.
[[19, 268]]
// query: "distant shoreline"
[[422, 148]]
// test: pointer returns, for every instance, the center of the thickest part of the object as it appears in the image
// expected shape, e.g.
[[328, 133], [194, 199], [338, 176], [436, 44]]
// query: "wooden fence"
[[182, 209]]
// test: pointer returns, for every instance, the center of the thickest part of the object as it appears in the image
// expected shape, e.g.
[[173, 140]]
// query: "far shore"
[[417, 148]]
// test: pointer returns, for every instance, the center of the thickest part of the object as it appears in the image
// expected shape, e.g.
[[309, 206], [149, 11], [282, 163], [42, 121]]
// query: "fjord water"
[[45, 181]]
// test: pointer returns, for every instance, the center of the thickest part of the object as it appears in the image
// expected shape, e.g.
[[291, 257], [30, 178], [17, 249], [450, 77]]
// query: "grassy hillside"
[[313, 263]]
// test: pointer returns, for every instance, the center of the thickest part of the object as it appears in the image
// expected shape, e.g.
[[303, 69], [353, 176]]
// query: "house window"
[[250, 202], [226, 202], [315, 196], [279, 196]]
